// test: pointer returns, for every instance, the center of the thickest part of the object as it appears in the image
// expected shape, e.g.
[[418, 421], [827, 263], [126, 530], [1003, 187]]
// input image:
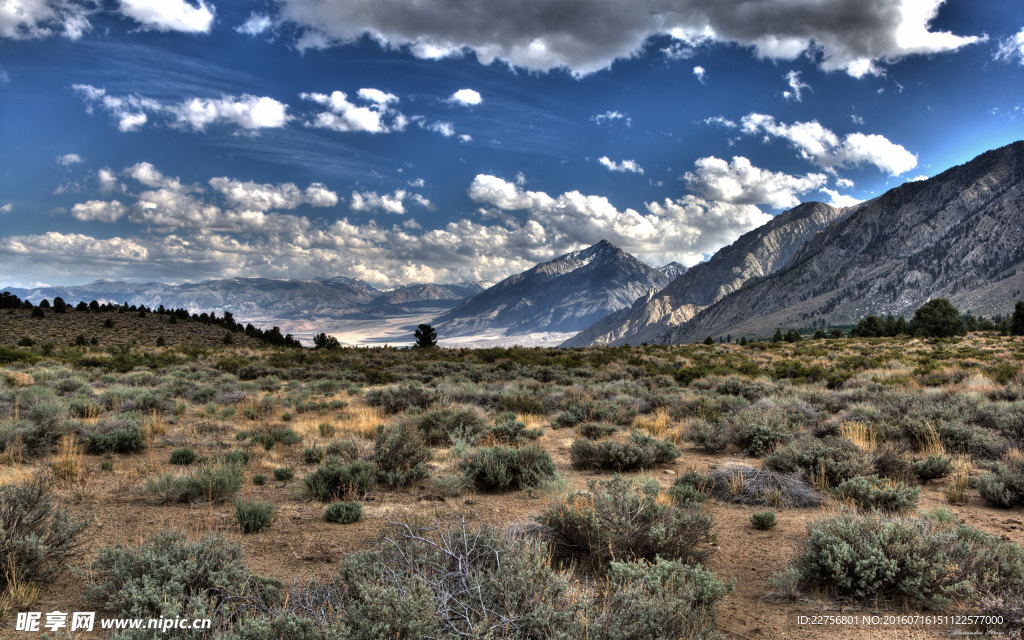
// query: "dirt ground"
[[299, 543]]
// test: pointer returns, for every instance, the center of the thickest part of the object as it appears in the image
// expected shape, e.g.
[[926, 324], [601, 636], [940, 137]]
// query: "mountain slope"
[[958, 235], [755, 254], [563, 295]]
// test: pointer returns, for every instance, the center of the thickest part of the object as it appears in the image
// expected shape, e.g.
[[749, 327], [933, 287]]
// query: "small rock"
[[669, 472]]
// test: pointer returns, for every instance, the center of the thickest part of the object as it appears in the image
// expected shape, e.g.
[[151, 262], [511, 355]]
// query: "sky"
[[454, 140]]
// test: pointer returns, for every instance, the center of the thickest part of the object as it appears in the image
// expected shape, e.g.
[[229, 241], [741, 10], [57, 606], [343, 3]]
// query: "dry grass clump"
[[68, 464], [757, 487], [859, 434], [657, 424]]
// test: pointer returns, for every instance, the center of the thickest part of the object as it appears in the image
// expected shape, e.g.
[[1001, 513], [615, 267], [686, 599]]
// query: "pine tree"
[[1017, 321], [426, 337]]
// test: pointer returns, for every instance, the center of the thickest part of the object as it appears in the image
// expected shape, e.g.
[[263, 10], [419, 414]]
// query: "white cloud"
[[467, 97], [388, 203], [721, 121], [796, 87], [700, 72], [917, 178], [824, 148], [108, 181], [630, 166], [99, 210], [256, 24], [446, 129], [611, 116], [131, 111], [1011, 48], [262, 197], [69, 159], [839, 200], [375, 117], [585, 37], [739, 182], [465, 137], [170, 15], [418, 183], [844, 183], [856, 118], [7, 208], [27, 19]]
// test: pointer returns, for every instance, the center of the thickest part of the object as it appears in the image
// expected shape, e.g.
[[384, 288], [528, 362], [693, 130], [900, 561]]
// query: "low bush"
[[253, 515], [284, 474], [763, 520], [875, 493], [757, 487], [825, 462], [932, 468], [444, 425], [640, 451], [506, 468], [259, 479], [211, 483], [400, 455], [614, 520], [313, 455], [1004, 487], [758, 440], [334, 479], [236, 457], [183, 456], [401, 397], [117, 436], [343, 512], [596, 431], [710, 436], [508, 429], [928, 563], [37, 539]]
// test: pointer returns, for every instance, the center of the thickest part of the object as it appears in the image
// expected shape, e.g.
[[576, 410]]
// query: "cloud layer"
[[584, 37]]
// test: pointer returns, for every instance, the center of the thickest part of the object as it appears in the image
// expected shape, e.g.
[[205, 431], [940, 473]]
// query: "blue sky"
[[450, 140]]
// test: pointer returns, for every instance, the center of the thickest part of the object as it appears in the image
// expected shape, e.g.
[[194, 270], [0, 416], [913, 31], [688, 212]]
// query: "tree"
[[1017, 321], [709, 340], [426, 337], [9, 300], [937, 318], [324, 341], [835, 333], [819, 334], [778, 336], [59, 306], [792, 336]]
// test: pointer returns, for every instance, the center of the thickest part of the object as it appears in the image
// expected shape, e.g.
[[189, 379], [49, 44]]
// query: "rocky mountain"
[[755, 254], [959, 235], [672, 270], [564, 295], [424, 292]]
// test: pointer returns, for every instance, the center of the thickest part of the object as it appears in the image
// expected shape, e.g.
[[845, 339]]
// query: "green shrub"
[[831, 460], [710, 436], [443, 426], [284, 474], [312, 455], [215, 484], [401, 397], [287, 437], [596, 431], [918, 560], [37, 540], [505, 468], [236, 457], [1004, 487], [183, 456], [451, 486], [253, 515], [334, 479], [689, 488], [120, 438], [758, 440], [933, 468], [508, 429], [259, 479], [343, 512], [614, 520], [400, 455], [166, 576], [874, 493], [326, 430], [763, 520], [640, 451]]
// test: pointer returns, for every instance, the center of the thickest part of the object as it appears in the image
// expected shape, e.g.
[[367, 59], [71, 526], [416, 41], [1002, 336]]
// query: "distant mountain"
[[959, 235], [423, 292], [755, 254], [564, 295], [672, 270]]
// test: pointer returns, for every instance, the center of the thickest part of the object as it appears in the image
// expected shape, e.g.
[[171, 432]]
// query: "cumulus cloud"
[[796, 87], [99, 210], [69, 159], [583, 38], [446, 129], [7, 208], [387, 203], [625, 166], [132, 111], [256, 24], [373, 116], [824, 148], [261, 197], [27, 19], [837, 199], [700, 72], [739, 182], [170, 15], [108, 180], [1011, 49], [467, 97]]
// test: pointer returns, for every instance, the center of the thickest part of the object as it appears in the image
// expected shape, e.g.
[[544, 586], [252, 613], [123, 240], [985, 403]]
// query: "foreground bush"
[[1004, 487], [167, 576], [444, 425], [757, 487], [335, 479], [400, 397], [825, 462], [400, 455], [616, 521], [640, 451], [505, 468], [118, 437], [877, 494], [37, 540], [253, 515], [212, 483], [343, 512], [928, 563]]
